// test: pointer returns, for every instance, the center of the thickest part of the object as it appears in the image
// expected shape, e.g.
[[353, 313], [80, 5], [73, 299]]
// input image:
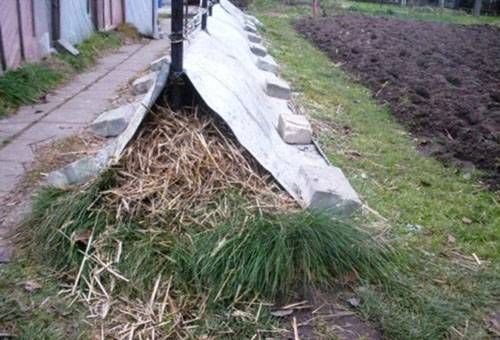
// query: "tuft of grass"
[[62, 221], [273, 256], [91, 49], [26, 85]]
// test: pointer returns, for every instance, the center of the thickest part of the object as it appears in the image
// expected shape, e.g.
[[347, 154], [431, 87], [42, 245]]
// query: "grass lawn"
[[25, 85], [419, 13], [437, 211]]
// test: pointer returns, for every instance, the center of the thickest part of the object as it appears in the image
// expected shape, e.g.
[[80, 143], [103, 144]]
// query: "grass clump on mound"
[[276, 255]]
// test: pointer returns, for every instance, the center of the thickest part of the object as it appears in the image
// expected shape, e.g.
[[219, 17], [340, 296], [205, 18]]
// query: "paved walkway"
[[69, 110]]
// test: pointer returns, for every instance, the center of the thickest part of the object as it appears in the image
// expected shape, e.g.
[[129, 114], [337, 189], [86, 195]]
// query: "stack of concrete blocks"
[[326, 187]]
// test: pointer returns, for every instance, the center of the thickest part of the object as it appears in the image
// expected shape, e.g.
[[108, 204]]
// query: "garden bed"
[[440, 80]]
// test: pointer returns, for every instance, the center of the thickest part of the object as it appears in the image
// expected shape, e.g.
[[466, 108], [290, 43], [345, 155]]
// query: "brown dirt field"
[[440, 80]]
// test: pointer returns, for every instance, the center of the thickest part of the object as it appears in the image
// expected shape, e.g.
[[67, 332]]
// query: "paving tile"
[[67, 115], [44, 132], [11, 173], [16, 151], [92, 101]]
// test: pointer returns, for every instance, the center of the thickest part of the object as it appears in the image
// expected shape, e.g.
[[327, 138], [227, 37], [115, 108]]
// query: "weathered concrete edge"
[[86, 168]]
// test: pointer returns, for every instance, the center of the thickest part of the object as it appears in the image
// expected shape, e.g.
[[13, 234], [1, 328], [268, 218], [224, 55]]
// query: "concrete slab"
[[255, 38], [18, 151], [268, 64], [258, 50], [11, 171], [143, 84], [277, 88], [112, 123], [294, 129], [44, 132], [326, 188]]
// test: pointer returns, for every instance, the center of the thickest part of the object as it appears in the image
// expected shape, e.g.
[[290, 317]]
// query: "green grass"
[[430, 208], [38, 313], [260, 257], [28, 83], [276, 255], [419, 13]]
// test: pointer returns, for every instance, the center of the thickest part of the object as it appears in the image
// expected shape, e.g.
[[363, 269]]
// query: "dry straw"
[[181, 168]]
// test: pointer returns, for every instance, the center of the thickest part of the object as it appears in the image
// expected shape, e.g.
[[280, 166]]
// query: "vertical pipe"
[[20, 26], [204, 4], [56, 20], [177, 51], [3, 61], [210, 5]]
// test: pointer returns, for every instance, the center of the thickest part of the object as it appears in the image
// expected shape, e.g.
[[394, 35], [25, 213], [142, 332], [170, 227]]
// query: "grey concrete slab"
[[18, 151], [11, 172], [73, 116], [43, 132]]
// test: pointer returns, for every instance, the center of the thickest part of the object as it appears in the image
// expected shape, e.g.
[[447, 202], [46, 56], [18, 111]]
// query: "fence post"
[[204, 4], [177, 51]]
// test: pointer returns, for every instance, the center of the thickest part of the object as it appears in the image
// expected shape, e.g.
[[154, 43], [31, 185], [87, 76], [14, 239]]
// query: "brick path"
[[66, 112]]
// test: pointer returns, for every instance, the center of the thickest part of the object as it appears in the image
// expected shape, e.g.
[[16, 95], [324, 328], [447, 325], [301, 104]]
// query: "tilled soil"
[[440, 80]]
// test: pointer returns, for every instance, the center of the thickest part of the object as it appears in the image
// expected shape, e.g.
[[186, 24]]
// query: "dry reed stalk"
[[180, 169]]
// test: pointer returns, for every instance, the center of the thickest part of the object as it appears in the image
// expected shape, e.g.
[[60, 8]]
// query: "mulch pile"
[[440, 80]]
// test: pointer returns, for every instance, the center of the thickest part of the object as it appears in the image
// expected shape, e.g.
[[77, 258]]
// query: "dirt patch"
[[324, 315], [440, 80]]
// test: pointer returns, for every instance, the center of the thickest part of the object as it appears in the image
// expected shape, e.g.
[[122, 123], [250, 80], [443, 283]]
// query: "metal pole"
[[204, 4], [177, 51], [210, 5]]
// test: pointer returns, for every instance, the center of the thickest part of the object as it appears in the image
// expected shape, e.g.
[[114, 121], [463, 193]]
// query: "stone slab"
[[255, 38], [159, 63], [112, 123], [63, 45], [143, 84], [294, 129], [277, 88], [268, 64], [258, 50], [327, 188]]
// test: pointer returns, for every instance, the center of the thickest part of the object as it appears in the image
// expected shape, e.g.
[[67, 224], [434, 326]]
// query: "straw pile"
[[183, 168]]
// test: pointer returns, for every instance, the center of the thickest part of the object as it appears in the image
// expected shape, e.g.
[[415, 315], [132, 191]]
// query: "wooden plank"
[[10, 34]]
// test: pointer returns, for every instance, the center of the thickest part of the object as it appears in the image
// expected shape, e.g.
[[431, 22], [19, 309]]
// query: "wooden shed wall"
[[19, 40], [110, 13]]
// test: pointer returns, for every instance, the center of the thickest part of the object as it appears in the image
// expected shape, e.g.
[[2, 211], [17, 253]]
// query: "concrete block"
[[277, 88], [268, 64], [112, 123], [158, 63], [294, 129], [252, 37], [326, 188], [143, 84], [258, 50], [82, 169], [254, 20], [250, 27], [63, 45]]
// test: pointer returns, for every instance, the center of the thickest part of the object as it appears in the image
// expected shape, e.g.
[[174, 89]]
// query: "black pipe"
[[204, 4], [177, 51]]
